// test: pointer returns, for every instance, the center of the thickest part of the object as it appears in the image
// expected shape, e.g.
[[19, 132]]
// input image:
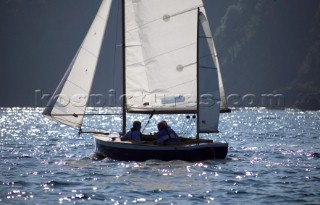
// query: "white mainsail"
[[161, 55], [69, 101]]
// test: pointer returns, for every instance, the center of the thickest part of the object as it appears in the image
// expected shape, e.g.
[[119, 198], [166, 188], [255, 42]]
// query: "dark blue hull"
[[142, 152]]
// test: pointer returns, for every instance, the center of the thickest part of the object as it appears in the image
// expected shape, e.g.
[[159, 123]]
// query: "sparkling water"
[[274, 158]]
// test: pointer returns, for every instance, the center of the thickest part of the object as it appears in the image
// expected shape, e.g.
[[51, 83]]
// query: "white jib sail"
[[161, 55], [209, 108], [69, 101]]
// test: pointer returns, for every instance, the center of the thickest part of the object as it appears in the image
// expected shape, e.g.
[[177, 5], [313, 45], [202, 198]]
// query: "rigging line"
[[191, 126], [92, 132], [151, 115], [90, 127], [81, 114], [184, 123], [153, 123], [187, 126], [187, 10], [64, 121]]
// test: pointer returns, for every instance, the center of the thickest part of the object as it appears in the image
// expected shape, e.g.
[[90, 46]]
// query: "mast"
[[124, 114], [198, 84]]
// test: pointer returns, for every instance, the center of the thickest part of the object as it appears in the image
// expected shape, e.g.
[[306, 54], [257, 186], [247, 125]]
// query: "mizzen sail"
[[209, 95], [207, 31], [69, 101]]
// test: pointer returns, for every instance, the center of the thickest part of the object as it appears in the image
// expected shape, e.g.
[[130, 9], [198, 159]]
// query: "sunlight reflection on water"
[[273, 158]]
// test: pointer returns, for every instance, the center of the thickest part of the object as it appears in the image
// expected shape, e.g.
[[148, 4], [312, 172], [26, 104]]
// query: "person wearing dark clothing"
[[134, 134], [165, 134]]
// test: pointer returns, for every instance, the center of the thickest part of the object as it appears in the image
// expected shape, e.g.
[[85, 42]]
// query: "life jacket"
[[168, 138], [134, 130]]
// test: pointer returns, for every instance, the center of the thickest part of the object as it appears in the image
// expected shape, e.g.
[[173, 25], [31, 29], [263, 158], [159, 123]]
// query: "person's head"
[[136, 125], [162, 125]]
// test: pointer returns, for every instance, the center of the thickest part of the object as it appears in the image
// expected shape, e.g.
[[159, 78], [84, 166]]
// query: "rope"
[[190, 127], [184, 124], [151, 115]]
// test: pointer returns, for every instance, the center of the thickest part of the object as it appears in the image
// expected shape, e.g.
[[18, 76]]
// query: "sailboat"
[[169, 66]]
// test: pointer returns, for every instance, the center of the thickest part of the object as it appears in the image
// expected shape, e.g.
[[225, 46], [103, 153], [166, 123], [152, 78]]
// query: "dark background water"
[[273, 159]]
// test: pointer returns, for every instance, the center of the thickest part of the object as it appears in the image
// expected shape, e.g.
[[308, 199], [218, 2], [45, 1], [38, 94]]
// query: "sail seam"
[[77, 107], [94, 55], [74, 83], [190, 81], [154, 57], [209, 55], [205, 37], [76, 86], [207, 67], [101, 17]]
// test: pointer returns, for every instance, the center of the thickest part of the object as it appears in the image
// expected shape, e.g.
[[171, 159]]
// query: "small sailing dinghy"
[[170, 66]]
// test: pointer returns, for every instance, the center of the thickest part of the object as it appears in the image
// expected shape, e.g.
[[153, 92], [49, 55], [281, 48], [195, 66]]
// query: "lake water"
[[274, 158]]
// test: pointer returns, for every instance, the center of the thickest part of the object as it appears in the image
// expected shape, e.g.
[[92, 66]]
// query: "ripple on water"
[[273, 158]]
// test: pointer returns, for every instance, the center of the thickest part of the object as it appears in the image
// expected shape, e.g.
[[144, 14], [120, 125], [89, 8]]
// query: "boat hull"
[[127, 151]]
